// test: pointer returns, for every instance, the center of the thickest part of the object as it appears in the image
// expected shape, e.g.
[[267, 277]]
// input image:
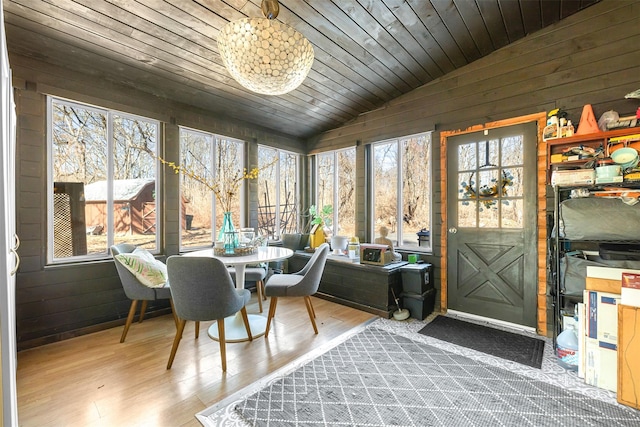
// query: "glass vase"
[[230, 240]]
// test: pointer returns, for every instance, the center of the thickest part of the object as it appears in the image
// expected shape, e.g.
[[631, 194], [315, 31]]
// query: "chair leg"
[[176, 342], [245, 319], [223, 347], [143, 310], [307, 300], [272, 312], [132, 312], [311, 305], [259, 292], [264, 297], [173, 311], [197, 329]]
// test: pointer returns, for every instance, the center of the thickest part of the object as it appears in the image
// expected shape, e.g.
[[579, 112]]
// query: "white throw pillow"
[[148, 270]]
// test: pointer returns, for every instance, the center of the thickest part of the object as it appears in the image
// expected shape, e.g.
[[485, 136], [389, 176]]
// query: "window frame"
[[335, 225], [110, 233], [214, 202], [399, 191], [278, 211]]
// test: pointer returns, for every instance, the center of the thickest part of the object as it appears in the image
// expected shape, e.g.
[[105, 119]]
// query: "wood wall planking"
[[61, 301], [576, 56], [567, 65], [588, 58]]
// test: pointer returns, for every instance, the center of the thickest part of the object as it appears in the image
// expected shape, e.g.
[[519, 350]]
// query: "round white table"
[[234, 329]]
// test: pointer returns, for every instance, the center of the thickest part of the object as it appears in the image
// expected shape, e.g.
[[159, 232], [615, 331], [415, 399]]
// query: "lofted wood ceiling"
[[367, 52]]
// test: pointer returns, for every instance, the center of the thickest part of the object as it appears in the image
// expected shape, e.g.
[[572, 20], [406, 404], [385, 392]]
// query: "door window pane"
[[512, 213], [467, 213], [467, 158], [512, 151], [495, 183]]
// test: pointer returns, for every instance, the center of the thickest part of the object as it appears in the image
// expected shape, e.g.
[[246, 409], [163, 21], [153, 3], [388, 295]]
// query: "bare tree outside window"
[[213, 159], [325, 179], [336, 184], [103, 190], [277, 192], [402, 189], [196, 154]]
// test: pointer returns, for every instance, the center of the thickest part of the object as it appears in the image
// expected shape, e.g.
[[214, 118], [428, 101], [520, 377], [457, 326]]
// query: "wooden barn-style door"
[[491, 229]]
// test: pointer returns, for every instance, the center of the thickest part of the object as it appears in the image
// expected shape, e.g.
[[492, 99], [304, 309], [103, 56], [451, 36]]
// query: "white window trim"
[[110, 236], [279, 152], [371, 160], [214, 202]]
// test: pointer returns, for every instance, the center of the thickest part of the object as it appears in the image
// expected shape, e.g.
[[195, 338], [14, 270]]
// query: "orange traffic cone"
[[588, 123]]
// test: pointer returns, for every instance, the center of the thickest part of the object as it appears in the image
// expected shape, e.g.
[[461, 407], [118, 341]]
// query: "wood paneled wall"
[[588, 58], [62, 301]]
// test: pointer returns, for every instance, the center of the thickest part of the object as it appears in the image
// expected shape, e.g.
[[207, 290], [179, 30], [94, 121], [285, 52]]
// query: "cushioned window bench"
[[362, 286]]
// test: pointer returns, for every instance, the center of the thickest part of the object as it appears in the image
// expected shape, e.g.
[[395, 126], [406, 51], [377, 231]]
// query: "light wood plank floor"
[[93, 380]]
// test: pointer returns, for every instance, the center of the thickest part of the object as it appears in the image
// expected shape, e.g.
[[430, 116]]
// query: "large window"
[[336, 186], [277, 192], [401, 176], [102, 181], [211, 160]]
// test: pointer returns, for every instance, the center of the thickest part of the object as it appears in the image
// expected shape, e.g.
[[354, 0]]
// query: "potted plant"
[[320, 221]]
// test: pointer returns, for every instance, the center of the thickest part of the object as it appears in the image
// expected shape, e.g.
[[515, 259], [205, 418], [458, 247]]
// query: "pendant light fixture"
[[264, 55]]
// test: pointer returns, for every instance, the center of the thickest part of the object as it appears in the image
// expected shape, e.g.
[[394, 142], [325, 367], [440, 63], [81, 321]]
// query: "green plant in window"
[[322, 216]]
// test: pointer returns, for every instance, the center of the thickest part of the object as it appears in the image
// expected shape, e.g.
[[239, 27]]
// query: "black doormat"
[[507, 345]]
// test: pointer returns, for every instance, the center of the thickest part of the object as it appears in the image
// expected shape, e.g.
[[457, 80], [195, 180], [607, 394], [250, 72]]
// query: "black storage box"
[[419, 305], [416, 278]]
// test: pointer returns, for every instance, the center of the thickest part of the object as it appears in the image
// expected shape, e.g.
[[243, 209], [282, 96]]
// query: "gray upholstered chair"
[[202, 290], [136, 291], [253, 274], [304, 283]]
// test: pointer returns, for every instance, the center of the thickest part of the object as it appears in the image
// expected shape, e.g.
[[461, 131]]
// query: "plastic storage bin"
[[419, 305], [416, 278]]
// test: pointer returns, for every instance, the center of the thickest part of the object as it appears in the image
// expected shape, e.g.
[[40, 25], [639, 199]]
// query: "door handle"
[[453, 230], [14, 251]]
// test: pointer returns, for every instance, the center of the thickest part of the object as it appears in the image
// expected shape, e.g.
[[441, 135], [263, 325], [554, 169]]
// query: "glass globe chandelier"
[[263, 55]]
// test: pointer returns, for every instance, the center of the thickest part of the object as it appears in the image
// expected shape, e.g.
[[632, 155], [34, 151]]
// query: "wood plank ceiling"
[[367, 52]]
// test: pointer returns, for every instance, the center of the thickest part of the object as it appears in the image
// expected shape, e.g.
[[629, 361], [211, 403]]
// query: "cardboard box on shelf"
[[606, 279], [628, 353], [601, 364], [630, 294], [573, 177], [581, 339], [601, 310]]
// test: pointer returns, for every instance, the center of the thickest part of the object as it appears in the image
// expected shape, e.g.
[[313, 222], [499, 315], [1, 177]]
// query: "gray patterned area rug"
[[379, 378]]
